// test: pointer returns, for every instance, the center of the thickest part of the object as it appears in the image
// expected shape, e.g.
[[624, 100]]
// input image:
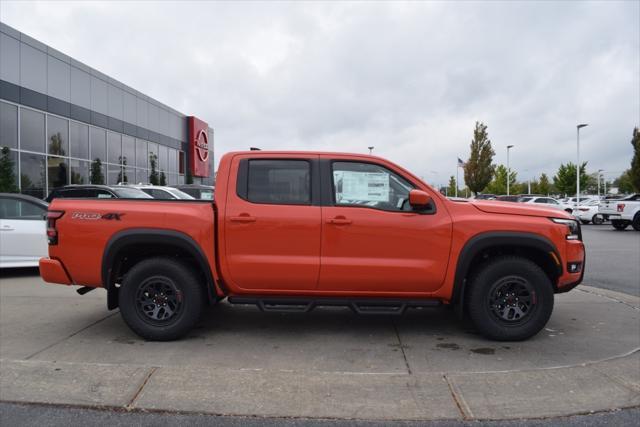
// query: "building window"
[[114, 141], [79, 140], [142, 176], [8, 170], [57, 171], [114, 174], [79, 171], [181, 162], [96, 172], [8, 125], [141, 153], [31, 130], [128, 151], [57, 136], [32, 174], [98, 144]]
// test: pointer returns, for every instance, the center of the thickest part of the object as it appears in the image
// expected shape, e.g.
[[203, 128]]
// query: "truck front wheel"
[[161, 299], [619, 224], [510, 299]]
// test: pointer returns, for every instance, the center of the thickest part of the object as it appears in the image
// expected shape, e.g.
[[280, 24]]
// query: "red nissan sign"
[[198, 147]]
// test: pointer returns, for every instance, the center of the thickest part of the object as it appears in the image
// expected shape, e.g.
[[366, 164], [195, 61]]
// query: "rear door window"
[[283, 182]]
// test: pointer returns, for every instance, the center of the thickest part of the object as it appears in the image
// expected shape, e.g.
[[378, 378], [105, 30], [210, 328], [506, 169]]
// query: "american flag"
[[460, 163]]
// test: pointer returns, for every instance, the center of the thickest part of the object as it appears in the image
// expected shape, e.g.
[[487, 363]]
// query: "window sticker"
[[361, 186]]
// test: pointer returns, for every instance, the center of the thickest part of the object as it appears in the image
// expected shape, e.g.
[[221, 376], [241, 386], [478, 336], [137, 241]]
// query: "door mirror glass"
[[419, 199]]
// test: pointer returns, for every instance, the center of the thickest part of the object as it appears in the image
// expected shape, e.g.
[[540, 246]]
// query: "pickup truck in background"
[[622, 212], [290, 231]]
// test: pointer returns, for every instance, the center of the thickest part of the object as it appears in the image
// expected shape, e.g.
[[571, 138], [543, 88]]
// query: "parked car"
[[23, 238], [197, 191], [162, 192], [588, 212], [484, 197], [569, 204], [538, 200], [295, 230], [89, 191], [622, 212], [505, 198]]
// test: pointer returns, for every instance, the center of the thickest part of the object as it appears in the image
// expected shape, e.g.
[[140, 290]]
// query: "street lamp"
[[371, 149], [508, 169], [599, 170], [578, 127]]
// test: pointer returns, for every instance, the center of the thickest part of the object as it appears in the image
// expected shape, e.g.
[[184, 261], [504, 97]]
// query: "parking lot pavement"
[[57, 347], [613, 258]]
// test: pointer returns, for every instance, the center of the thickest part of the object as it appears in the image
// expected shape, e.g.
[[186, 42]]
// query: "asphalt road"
[[40, 415], [613, 258]]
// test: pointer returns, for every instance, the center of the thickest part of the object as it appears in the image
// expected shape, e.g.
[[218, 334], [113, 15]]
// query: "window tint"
[[79, 139], [58, 136], [31, 130], [365, 184], [98, 144], [8, 125], [541, 200], [525, 199], [20, 209], [279, 182]]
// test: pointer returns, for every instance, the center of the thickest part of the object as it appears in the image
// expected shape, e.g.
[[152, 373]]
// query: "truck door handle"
[[243, 218], [7, 228], [339, 220]]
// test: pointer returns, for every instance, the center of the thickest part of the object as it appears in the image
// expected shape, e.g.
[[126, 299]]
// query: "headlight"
[[573, 226]]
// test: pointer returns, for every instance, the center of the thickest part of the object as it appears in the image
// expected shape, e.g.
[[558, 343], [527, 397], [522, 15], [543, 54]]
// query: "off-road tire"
[[482, 288], [177, 279], [619, 224], [636, 222]]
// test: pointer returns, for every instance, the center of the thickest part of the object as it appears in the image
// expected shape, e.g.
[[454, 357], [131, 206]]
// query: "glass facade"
[[62, 122], [46, 151]]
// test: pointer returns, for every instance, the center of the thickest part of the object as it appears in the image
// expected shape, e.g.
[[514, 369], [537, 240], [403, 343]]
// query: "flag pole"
[[457, 177]]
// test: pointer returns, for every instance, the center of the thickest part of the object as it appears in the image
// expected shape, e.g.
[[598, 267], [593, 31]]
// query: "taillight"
[[52, 232], [621, 207]]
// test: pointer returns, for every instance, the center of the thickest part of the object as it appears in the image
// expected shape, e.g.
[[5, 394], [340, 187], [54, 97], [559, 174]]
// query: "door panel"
[[377, 243], [272, 235], [23, 240]]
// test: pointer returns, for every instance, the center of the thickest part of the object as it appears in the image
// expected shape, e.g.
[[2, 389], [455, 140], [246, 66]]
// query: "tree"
[[479, 168], [544, 186], [97, 177], [7, 172], [56, 145], [163, 178], [624, 182], [153, 163], [498, 184], [565, 178], [634, 172], [451, 189]]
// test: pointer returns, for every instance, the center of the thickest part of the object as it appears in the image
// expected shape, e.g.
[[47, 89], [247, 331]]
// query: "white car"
[[546, 201], [570, 204], [588, 212], [23, 230], [164, 193]]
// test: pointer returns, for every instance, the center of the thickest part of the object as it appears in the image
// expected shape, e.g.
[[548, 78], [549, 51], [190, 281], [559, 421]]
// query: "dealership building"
[[66, 123]]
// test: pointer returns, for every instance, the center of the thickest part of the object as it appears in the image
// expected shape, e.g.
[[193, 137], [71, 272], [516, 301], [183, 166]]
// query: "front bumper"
[[52, 271], [574, 253]]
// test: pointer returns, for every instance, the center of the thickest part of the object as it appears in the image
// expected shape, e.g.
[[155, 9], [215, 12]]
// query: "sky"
[[410, 79]]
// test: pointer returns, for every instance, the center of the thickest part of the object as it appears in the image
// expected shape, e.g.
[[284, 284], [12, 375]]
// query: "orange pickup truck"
[[291, 231]]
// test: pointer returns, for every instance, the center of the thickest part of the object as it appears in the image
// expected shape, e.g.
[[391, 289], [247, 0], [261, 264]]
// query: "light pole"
[[578, 127], [599, 170], [508, 168], [371, 149]]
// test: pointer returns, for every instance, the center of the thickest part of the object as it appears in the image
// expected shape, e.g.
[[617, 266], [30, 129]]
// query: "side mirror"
[[419, 199]]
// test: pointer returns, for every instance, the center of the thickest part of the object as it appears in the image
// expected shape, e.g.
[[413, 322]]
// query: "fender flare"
[[480, 242], [152, 236]]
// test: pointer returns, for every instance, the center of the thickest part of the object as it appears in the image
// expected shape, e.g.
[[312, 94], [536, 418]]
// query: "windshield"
[[179, 194], [131, 193]]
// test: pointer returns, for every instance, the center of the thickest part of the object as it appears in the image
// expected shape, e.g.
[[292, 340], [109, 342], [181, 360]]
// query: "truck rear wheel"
[[161, 299], [510, 299], [636, 222], [619, 224]]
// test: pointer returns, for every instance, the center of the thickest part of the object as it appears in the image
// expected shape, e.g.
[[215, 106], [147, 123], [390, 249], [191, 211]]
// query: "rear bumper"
[[52, 271]]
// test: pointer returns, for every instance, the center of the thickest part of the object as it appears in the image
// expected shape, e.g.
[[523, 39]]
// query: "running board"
[[359, 306]]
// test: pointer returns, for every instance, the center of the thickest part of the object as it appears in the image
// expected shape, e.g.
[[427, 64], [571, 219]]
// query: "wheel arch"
[[126, 248], [485, 245]]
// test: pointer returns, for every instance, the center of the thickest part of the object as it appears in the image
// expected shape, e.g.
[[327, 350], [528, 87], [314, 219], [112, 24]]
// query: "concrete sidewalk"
[[59, 348]]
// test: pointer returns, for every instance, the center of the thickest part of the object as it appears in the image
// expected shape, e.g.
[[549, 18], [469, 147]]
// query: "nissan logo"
[[202, 145]]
